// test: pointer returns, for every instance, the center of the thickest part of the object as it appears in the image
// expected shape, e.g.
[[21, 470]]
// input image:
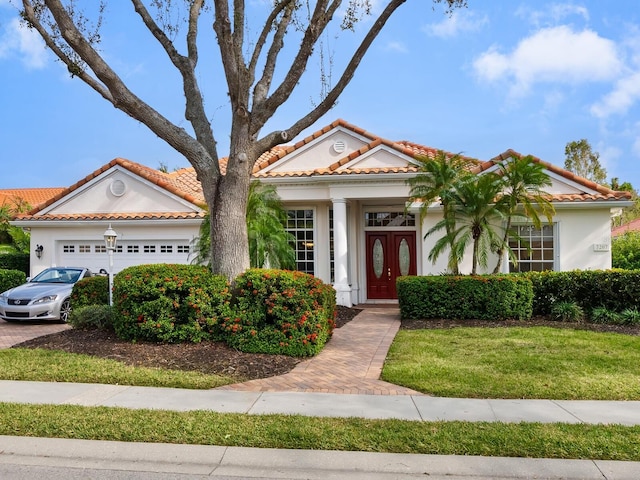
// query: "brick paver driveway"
[[13, 333]]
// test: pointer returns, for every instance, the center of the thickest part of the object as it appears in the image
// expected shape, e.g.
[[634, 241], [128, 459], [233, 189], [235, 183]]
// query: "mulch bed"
[[205, 357]]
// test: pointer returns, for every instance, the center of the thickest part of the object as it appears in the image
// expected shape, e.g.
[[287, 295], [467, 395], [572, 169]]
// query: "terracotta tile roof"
[[602, 192], [31, 196], [114, 216], [632, 226], [184, 183], [179, 183]]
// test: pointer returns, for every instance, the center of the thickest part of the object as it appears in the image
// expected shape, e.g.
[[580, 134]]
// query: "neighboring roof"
[[632, 226], [184, 183], [601, 192], [30, 196]]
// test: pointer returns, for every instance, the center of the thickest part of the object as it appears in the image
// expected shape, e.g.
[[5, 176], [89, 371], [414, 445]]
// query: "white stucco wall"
[[580, 235], [53, 237], [577, 232]]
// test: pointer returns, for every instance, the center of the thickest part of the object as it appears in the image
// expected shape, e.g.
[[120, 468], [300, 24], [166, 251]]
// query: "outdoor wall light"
[[39, 250], [110, 238]]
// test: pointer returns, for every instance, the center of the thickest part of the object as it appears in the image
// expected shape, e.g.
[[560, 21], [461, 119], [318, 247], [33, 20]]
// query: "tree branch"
[[194, 108], [261, 88], [121, 97], [275, 138], [317, 24]]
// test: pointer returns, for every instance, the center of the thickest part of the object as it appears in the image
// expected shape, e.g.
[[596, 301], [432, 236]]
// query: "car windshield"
[[57, 275]]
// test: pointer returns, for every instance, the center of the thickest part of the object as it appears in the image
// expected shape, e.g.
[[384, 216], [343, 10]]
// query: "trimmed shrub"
[[91, 316], [90, 291], [483, 297], [614, 290], [15, 261], [567, 312], [169, 303], [280, 312], [10, 279]]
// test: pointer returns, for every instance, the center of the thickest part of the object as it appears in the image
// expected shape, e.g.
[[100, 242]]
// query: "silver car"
[[44, 297]]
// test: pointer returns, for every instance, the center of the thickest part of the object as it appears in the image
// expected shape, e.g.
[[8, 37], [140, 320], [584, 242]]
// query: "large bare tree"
[[249, 66]]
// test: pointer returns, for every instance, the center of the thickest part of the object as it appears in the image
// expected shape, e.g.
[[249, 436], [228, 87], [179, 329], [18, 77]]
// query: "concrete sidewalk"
[[404, 407]]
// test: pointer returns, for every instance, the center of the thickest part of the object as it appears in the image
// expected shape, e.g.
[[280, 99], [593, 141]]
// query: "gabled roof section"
[[348, 164], [182, 183], [592, 191]]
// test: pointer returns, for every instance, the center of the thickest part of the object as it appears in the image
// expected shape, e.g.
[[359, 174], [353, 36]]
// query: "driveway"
[[13, 333]]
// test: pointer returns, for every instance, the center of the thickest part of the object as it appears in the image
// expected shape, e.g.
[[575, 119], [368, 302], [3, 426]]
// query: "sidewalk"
[[340, 382]]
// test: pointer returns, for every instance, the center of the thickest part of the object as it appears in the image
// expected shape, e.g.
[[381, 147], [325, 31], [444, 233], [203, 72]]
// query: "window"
[[133, 249], [100, 249], [166, 248], [149, 249], [300, 225], [389, 219], [534, 249], [69, 248], [183, 248], [84, 248]]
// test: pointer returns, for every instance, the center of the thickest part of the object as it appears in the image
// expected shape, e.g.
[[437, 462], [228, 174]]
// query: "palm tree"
[[477, 213], [523, 179], [437, 179], [269, 243]]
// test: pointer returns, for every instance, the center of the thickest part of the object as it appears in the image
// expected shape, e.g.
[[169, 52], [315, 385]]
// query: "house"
[[632, 226], [346, 192]]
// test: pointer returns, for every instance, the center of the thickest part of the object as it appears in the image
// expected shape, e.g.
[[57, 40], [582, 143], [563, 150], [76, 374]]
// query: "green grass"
[[56, 366], [611, 442], [536, 362]]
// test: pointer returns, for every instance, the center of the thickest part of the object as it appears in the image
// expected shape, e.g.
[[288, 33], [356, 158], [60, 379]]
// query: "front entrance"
[[389, 255]]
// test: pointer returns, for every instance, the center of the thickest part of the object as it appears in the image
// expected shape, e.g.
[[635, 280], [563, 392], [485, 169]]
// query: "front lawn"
[[516, 362]]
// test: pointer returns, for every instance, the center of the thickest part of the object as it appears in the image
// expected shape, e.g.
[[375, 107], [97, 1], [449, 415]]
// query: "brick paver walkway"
[[350, 363], [14, 333]]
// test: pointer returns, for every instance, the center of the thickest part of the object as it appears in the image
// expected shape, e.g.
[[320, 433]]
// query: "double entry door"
[[389, 255]]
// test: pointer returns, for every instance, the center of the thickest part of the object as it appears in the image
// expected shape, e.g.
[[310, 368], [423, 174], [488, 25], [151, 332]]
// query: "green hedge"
[[11, 278], [615, 290], [483, 297], [90, 291], [169, 303], [280, 312], [15, 261], [625, 251]]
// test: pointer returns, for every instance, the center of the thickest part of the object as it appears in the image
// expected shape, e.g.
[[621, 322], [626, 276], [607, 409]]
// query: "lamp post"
[[110, 238]]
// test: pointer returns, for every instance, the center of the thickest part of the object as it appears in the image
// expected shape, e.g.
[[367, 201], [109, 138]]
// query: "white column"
[[341, 283]]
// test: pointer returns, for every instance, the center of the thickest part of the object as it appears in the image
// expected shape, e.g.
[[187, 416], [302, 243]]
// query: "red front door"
[[389, 255]]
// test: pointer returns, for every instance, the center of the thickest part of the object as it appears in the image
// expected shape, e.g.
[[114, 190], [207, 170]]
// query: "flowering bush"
[[280, 312], [90, 291], [169, 303]]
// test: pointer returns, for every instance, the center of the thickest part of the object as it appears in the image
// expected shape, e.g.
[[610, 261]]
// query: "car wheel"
[[65, 310]]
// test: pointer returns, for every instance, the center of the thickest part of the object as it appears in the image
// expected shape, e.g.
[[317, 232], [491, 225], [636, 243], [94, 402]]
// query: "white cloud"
[[18, 41], [552, 55], [625, 93], [553, 14], [398, 47], [459, 22]]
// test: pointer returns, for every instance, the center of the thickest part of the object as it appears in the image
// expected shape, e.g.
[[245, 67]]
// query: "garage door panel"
[[94, 256]]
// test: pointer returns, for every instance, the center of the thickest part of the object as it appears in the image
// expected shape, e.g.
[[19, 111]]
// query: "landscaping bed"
[[205, 357]]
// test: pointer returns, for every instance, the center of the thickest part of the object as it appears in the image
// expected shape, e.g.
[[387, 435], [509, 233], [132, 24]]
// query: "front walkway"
[[351, 362]]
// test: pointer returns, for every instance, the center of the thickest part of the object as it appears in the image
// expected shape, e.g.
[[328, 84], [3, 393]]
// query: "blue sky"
[[527, 75]]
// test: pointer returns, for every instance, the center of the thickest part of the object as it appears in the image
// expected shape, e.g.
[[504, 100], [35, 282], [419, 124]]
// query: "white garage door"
[[93, 254]]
